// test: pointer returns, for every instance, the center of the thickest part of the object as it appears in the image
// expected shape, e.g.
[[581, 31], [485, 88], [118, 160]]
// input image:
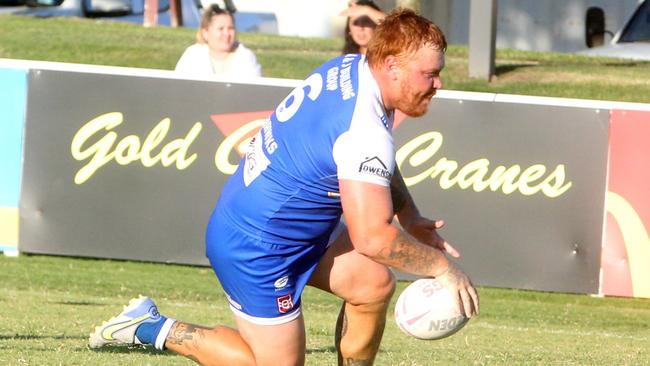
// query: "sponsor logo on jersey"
[[384, 120], [347, 90], [285, 303], [375, 166], [332, 78]]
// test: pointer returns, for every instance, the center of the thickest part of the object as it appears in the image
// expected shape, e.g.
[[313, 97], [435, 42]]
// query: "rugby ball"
[[427, 310]]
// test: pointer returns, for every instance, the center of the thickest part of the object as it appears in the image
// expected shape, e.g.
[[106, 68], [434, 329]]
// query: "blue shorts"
[[263, 282]]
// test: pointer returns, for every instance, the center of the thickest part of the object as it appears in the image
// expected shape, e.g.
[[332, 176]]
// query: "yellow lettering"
[[445, 168], [176, 150], [152, 141], [472, 174], [130, 148], [419, 157], [528, 176], [505, 178], [222, 156], [557, 188], [419, 153], [127, 150], [99, 150]]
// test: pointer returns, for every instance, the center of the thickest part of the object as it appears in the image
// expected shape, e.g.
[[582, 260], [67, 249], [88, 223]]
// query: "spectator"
[[217, 52], [363, 17]]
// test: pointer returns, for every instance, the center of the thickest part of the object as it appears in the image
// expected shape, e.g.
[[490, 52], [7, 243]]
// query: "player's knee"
[[388, 286], [379, 288]]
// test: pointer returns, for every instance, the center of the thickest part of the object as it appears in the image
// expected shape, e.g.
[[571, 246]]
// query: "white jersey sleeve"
[[366, 156], [366, 152]]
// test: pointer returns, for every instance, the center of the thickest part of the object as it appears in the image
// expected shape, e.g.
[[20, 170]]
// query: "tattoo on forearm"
[[406, 253]]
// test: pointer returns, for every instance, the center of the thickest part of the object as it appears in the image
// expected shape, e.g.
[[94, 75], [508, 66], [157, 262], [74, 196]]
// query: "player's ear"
[[391, 65]]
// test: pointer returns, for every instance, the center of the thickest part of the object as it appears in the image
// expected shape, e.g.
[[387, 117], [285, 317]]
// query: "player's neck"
[[383, 81]]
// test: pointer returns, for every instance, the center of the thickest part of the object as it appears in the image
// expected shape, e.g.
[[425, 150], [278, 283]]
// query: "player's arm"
[[368, 211], [409, 216]]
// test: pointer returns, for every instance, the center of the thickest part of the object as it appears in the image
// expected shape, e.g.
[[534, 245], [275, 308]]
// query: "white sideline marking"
[[561, 332]]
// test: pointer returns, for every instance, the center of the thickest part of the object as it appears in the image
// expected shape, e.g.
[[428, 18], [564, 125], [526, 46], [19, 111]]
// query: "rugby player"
[[326, 152]]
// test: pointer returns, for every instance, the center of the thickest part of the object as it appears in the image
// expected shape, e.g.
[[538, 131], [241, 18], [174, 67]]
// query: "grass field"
[[49, 305], [119, 44]]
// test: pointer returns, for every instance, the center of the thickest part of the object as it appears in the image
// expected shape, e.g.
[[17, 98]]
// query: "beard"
[[412, 103]]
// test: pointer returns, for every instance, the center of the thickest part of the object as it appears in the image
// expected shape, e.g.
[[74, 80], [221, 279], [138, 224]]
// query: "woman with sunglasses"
[[363, 17]]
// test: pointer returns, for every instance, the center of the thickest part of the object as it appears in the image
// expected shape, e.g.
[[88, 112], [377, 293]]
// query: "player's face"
[[220, 34], [420, 79]]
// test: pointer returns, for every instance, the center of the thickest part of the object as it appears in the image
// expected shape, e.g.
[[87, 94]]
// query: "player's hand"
[[426, 231], [461, 287]]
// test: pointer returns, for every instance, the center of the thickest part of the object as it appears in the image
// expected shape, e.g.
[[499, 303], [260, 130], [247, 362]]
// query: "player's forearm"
[[402, 251], [403, 205]]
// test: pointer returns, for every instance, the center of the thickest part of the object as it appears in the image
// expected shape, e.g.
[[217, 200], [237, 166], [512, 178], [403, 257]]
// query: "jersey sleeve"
[[365, 155]]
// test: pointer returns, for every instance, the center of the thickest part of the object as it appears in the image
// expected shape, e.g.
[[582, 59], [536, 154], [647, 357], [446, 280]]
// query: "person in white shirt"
[[217, 51]]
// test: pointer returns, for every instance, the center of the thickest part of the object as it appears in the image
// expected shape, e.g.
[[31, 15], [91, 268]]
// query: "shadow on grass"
[[328, 349], [29, 337], [626, 64], [78, 303], [143, 350], [504, 69], [152, 351]]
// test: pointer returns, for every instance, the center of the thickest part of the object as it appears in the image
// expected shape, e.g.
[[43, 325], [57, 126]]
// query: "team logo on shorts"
[[281, 282], [285, 303]]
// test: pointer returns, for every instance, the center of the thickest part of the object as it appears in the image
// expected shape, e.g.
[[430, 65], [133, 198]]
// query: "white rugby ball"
[[427, 310]]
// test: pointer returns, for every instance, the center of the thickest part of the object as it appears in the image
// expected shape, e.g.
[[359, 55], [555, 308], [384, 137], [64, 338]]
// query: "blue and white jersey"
[[334, 126]]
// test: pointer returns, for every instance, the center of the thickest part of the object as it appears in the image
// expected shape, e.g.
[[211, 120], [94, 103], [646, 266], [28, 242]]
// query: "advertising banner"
[[128, 167], [626, 251], [521, 188], [13, 95]]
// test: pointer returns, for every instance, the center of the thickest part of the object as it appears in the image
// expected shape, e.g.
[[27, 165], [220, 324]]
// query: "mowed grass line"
[[106, 42], [49, 305]]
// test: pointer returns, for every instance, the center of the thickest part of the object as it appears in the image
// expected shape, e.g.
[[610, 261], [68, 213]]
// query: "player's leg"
[[275, 345], [366, 288], [253, 344], [209, 346], [263, 283], [140, 323]]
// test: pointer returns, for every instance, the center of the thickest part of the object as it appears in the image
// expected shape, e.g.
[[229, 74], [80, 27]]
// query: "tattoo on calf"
[[182, 332], [353, 362], [344, 325]]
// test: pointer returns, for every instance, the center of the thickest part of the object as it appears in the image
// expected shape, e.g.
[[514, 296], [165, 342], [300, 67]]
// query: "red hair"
[[402, 33]]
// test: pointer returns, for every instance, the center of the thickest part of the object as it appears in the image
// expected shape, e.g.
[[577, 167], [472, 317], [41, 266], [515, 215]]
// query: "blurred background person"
[[363, 17], [217, 51]]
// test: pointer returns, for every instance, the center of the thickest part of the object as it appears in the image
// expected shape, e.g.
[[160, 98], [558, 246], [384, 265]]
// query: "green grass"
[[49, 305], [119, 44]]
